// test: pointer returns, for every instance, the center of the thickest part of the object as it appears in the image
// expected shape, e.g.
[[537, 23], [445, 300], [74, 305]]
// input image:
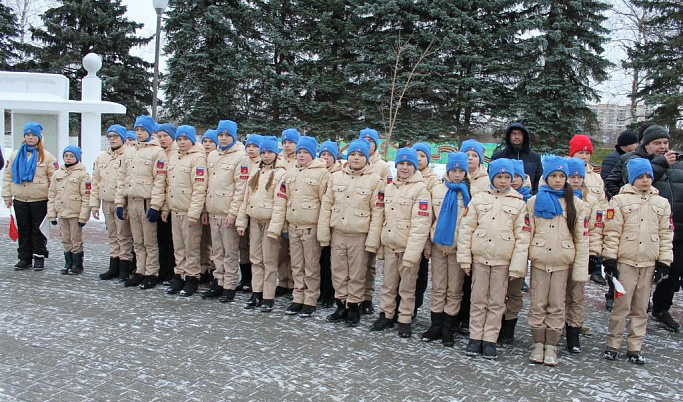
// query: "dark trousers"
[[664, 293], [166, 256], [29, 216], [464, 314], [326, 288], [422, 281]]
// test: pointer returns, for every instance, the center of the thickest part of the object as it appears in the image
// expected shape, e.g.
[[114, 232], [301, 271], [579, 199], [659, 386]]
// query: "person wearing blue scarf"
[[26, 187], [493, 242], [576, 169], [559, 251], [450, 198], [520, 182]]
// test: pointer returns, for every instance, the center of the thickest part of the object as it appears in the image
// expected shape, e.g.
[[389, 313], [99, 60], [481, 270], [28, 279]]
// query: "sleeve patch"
[[599, 224], [390, 179], [160, 164], [56, 165], [585, 222], [526, 228], [88, 185], [527, 221], [199, 171], [423, 213], [380, 195], [423, 205], [244, 169], [598, 216], [610, 214]]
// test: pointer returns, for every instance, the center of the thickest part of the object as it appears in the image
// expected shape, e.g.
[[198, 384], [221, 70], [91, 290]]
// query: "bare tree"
[[28, 14]]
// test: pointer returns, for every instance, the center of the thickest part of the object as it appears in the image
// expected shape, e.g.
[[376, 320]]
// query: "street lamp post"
[[159, 7]]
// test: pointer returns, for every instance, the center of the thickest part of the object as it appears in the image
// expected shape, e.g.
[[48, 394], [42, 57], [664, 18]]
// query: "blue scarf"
[[448, 217], [579, 194], [526, 192], [223, 148], [23, 168], [548, 202]]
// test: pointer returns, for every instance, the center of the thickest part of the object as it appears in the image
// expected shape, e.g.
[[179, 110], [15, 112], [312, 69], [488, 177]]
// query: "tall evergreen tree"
[[77, 27], [8, 31]]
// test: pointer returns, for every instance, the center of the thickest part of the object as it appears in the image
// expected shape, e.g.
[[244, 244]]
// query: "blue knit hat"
[[331, 147], [34, 128], [228, 126], [269, 143], [253, 139], [554, 163], [500, 166], [457, 160], [576, 167], [130, 135], [187, 132], [211, 135], [309, 144], [359, 145], [168, 128], [518, 165], [146, 123], [637, 167], [425, 149], [119, 130], [291, 134], [407, 155], [473, 145], [371, 134], [74, 150]]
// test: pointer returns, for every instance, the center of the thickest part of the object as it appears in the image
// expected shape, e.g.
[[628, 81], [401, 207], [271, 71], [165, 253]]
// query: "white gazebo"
[[44, 98]]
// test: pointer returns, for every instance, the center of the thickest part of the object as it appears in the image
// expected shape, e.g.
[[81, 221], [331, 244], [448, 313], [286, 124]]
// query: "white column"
[[91, 123]]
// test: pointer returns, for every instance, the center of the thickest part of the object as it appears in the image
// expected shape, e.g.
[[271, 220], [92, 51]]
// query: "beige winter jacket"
[[552, 246], [258, 204], [493, 231], [104, 176], [438, 194], [379, 166], [336, 167], [479, 180], [29, 191], [407, 218], [228, 176], [596, 207], [289, 160], [353, 204], [638, 228], [172, 150], [187, 178], [143, 174], [69, 195], [430, 178], [299, 203]]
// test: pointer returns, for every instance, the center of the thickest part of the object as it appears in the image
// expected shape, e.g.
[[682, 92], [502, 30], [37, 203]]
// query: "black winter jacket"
[[609, 162], [532, 160]]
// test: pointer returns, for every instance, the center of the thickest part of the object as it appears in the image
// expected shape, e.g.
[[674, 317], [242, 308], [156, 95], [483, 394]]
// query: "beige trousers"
[[224, 253], [546, 314], [284, 270], [489, 286], [370, 274], [575, 307], [186, 241], [120, 236], [304, 251], [72, 235], [205, 250], [145, 240], [447, 281], [263, 253], [394, 273], [514, 301], [349, 265]]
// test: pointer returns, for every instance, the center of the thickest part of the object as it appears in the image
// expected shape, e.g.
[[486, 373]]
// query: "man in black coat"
[[517, 146], [627, 142]]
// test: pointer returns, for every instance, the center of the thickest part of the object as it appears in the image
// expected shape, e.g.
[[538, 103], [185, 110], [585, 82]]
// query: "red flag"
[[13, 231]]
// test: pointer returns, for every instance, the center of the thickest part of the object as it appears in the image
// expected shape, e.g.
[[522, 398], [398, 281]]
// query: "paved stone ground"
[[81, 339]]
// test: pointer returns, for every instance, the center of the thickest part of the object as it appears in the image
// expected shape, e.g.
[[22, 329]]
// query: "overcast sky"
[[611, 91]]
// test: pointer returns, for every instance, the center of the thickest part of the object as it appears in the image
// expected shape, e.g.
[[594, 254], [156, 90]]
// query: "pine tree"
[[8, 31], [77, 27], [559, 64], [662, 62]]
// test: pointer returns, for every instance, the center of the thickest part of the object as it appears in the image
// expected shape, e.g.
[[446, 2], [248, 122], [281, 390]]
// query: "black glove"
[[593, 264], [81, 224], [611, 267], [661, 272], [153, 215], [54, 223], [119, 213]]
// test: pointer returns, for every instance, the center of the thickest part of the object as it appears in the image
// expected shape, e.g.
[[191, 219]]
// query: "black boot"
[[435, 329], [340, 314], [22, 265], [149, 282], [77, 264], [125, 269], [507, 331], [573, 344], [190, 287], [353, 319], [38, 263], [366, 308], [227, 296], [113, 271], [474, 348], [450, 322], [206, 277], [254, 301], [382, 323], [245, 281], [134, 280], [214, 290], [68, 260], [176, 285], [267, 305], [404, 330]]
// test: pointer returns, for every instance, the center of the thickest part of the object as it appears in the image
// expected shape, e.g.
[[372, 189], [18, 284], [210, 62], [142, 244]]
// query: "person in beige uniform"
[[304, 188], [166, 134], [638, 246], [105, 171], [449, 201], [479, 177], [329, 152], [28, 173], [350, 223], [407, 220], [210, 143], [228, 175], [285, 287], [492, 245], [141, 186], [251, 146], [558, 249], [69, 200], [267, 179], [185, 197], [381, 168]]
